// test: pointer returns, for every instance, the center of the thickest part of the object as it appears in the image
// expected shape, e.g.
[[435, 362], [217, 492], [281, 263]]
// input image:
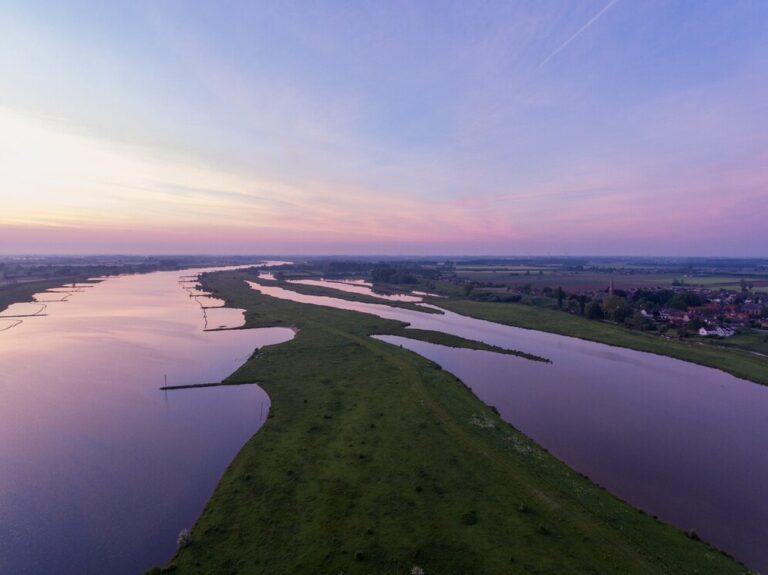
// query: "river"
[[681, 441], [99, 469]]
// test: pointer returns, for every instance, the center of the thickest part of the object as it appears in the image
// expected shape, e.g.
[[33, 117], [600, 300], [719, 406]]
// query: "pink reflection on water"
[[359, 287], [99, 469], [24, 309], [359, 282]]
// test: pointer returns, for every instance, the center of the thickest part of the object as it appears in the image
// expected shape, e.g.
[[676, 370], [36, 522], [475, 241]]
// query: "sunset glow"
[[592, 127]]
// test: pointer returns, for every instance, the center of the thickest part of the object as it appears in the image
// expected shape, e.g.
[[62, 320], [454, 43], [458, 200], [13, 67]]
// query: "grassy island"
[[339, 294], [374, 460]]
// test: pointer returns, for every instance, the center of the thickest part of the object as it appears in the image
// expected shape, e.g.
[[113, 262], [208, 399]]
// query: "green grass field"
[[569, 281], [749, 340], [374, 460], [734, 361], [595, 280]]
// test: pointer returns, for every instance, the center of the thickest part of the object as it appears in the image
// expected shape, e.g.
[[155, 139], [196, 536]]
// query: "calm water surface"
[[679, 440], [99, 469], [360, 287]]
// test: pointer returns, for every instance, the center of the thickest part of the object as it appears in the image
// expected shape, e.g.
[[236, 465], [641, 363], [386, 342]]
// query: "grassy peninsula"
[[340, 294], [734, 361], [23, 292], [374, 460]]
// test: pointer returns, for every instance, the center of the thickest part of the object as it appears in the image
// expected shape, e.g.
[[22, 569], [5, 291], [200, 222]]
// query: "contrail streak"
[[577, 33]]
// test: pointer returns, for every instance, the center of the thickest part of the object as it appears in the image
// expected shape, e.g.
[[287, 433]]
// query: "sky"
[[590, 127]]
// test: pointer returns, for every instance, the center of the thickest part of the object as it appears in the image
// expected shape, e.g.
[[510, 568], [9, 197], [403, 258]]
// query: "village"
[[714, 312], [719, 313], [713, 303], [716, 303]]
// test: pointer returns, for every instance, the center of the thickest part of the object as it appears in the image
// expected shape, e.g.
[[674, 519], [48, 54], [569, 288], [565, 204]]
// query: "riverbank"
[[91, 438], [734, 361], [374, 460], [23, 292], [340, 294]]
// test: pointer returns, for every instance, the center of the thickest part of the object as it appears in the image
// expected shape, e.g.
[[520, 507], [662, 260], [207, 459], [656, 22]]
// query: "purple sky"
[[604, 127]]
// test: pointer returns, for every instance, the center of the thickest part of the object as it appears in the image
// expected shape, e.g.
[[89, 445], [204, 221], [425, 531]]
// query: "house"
[[714, 304], [674, 316], [752, 309], [715, 331]]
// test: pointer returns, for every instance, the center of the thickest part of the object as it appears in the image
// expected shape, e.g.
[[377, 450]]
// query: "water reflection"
[[425, 294], [8, 323], [359, 287], [25, 309], [360, 282], [367, 289], [679, 440], [99, 470]]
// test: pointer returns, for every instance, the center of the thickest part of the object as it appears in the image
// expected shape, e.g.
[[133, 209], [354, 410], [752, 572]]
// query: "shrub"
[[469, 518], [184, 538]]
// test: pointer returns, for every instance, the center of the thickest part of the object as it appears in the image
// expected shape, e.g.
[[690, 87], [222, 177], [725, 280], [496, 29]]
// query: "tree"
[[638, 321], [398, 273], [594, 310], [683, 301], [560, 296], [581, 300], [616, 308], [573, 307]]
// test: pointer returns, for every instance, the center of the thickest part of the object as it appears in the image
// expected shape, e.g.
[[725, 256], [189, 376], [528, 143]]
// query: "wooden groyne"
[[12, 325], [38, 313], [185, 285], [195, 385]]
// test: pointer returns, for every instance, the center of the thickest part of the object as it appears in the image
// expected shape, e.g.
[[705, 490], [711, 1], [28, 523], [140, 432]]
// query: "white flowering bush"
[[417, 570], [184, 538]]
